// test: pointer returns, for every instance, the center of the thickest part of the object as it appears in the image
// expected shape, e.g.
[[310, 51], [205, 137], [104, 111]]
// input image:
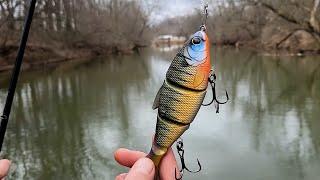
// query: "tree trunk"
[[68, 13], [314, 23]]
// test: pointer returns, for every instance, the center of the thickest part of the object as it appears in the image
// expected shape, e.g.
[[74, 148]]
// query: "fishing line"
[[205, 12], [15, 73]]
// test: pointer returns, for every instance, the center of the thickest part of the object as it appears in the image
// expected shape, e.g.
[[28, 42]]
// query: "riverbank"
[[283, 52], [34, 59], [37, 56], [283, 43]]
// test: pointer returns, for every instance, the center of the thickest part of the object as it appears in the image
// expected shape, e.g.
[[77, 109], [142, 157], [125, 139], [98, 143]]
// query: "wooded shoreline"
[[36, 56], [69, 55], [64, 29]]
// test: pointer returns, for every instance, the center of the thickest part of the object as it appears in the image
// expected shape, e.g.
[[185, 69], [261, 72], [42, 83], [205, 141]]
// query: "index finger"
[[168, 166], [126, 157]]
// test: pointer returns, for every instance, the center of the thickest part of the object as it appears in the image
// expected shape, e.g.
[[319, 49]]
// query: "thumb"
[[143, 169]]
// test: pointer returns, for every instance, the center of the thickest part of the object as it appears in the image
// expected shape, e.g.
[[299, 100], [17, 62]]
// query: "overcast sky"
[[171, 8]]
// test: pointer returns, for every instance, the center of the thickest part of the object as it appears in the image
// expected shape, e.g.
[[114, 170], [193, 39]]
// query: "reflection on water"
[[166, 48], [66, 122]]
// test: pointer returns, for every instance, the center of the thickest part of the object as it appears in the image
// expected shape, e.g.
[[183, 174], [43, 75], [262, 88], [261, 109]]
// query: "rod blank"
[[16, 72]]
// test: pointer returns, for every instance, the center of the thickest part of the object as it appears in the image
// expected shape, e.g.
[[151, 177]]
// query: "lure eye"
[[196, 41]]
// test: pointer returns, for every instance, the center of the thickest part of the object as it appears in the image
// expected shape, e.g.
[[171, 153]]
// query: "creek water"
[[68, 120]]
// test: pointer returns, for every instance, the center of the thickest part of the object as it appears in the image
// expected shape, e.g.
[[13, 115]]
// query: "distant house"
[[169, 40]]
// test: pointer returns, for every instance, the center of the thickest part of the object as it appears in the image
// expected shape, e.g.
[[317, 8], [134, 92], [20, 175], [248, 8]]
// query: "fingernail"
[[121, 176], [144, 165]]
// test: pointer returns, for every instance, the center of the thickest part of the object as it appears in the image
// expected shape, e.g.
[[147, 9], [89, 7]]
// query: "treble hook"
[[180, 150], [212, 80]]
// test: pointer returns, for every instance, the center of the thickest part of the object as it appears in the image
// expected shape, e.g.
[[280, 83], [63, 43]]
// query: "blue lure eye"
[[195, 51], [197, 44], [196, 41]]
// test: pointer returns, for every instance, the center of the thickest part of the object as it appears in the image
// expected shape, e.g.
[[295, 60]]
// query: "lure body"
[[182, 93]]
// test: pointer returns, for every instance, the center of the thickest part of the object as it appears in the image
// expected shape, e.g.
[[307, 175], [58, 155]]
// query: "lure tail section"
[[167, 132]]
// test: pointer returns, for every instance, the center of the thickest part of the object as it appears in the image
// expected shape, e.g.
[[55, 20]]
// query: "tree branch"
[[288, 36], [314, 23], [279, 13]]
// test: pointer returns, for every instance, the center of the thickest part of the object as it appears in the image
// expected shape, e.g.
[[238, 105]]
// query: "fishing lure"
[[182, 93]]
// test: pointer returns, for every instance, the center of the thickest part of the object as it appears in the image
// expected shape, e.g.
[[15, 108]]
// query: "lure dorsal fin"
[[156, 101]]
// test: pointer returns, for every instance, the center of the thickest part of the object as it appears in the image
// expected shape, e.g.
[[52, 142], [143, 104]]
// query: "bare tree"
[[93, 24], [302, 14]]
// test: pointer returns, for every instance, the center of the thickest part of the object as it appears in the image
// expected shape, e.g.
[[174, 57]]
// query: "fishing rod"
[[15, 73]]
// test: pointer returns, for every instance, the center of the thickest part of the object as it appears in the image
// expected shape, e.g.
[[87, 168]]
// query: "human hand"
[[4, 168], [143, 168]]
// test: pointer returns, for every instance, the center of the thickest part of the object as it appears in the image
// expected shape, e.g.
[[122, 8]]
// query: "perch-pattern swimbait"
[[182, 93]]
